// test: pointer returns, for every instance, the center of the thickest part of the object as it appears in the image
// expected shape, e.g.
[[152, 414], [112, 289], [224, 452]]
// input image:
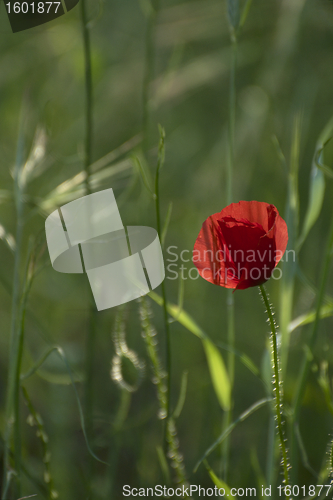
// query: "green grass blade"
[[63, 357], [163, 464], [166, 224], [181, 316], [219, 483], [182, 395], [219, 374], [304, 319], [287, 283], [244, 358], [144, 174], [74, 187], [7, 238], [231, 427], [190, 324], [245, 12], [233, 13], [215, 361], [317, 183]]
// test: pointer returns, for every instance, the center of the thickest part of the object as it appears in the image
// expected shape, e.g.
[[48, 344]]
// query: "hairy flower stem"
[[148, 76], [277, 388], [230, 298]]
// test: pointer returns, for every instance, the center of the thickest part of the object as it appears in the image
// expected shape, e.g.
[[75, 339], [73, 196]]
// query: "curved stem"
[[277, 383]]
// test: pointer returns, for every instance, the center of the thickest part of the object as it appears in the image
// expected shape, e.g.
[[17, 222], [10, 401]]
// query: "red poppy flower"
[[240, 246]]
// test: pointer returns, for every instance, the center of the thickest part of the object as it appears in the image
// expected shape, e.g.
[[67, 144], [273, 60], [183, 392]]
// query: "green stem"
[[277, 384], [232, 119], [230, 298], [312, 340], [227, 419], [149, 72], [88, 95], [88, 140], [16, 339], [117, 432], [165, 312]]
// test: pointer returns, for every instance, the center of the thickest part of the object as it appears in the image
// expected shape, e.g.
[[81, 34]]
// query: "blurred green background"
[[284, 70]]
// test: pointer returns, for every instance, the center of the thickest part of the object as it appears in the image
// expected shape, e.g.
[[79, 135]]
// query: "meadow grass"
[[135, 395]]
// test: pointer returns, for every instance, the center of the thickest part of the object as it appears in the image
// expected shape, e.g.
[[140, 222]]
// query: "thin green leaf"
[[219, 483], [180, 293], [181, 316], [215, 361], [317, 183], [325, 169], [324, 383], [304, 319], [318, 160], [53, 377], [316, 197], [289, 265], [163, 463], [231, 427], [62, 355], [144, 173], [218, 373], [166, 224], [245, 13], [182, 396], [31, 168], [233, 13], [161, 147], [177, 312], [115, 154], [260, 476], [279, 153], [7, 238], [75, 187], [244, 358], [302, 449]]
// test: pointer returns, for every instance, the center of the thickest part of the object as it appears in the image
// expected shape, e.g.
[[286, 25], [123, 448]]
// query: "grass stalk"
[[88, 95], [149, 74], [164, 296], [171, 440], [116, 436], [148, 77], [149, 70], [277, 388], [16, 336], [88, 141]]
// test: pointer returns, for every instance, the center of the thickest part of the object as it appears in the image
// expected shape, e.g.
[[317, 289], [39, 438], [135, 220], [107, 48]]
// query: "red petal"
[[244, 226]]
